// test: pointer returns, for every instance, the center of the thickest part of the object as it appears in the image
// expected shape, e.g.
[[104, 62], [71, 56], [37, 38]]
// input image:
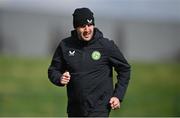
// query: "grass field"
[[26, 91]]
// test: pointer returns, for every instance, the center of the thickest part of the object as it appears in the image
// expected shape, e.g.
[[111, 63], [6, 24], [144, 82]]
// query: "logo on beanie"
[[89, 21], [96, 55]]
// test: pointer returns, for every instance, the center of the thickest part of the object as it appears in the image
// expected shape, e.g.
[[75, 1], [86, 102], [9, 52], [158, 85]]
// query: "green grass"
[[153, 91], [26, 91]]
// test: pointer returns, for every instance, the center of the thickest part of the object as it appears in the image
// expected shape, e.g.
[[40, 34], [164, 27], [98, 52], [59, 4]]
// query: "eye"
[[89, 24], [82, 26]]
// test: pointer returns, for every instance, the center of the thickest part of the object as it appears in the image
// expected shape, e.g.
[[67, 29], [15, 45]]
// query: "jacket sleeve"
[[122, 68], [57, 67]]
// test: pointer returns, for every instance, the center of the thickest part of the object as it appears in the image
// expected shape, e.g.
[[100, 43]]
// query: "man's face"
[[85, 32]]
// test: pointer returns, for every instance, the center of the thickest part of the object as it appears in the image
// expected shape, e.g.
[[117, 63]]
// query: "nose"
[[86, 27]]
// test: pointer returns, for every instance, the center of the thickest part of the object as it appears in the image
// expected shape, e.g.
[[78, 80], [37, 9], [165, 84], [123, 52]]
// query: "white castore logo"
[[71, 53], [89, 21]]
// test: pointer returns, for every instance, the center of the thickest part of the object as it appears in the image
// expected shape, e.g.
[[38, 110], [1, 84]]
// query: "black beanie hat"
[[82, 16]]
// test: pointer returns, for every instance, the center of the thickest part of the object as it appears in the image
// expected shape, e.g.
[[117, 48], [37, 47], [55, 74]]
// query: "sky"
[[144, 9]]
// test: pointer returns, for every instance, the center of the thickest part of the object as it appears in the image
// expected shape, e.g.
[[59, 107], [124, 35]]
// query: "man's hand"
[[65, 78], [115, 103]]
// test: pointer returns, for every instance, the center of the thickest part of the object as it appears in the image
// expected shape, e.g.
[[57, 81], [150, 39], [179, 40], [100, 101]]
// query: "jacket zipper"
[[83, 59]]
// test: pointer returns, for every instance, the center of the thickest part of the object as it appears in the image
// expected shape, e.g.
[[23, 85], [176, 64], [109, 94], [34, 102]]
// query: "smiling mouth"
[[86, 34]]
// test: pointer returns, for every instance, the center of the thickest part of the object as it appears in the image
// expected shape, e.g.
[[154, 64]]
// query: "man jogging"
[[83, 62]]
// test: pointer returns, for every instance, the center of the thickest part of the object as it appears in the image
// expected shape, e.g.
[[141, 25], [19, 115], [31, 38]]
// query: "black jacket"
[[91, 85]]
